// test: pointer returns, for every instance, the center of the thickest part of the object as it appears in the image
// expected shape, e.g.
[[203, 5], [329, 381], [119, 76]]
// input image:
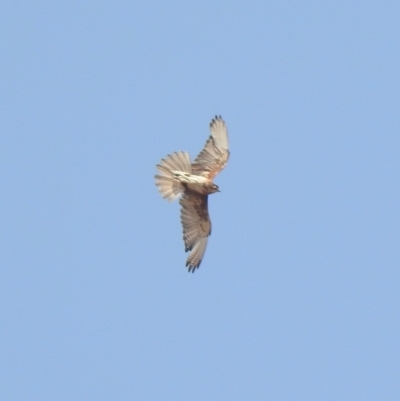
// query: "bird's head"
[[214, 188]]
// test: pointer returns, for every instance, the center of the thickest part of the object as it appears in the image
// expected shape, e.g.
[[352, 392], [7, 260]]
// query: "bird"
[[193, 182]]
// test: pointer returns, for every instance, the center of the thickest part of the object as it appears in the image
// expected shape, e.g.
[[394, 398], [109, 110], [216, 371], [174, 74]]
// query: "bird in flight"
[[178, 176]]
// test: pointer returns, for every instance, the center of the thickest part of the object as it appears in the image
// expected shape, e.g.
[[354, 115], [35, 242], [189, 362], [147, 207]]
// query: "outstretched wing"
[[196, 227], [213, 158]]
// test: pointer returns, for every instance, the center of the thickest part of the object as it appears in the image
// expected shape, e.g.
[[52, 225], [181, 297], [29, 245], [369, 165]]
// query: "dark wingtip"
[[215, 119], [192, 268]]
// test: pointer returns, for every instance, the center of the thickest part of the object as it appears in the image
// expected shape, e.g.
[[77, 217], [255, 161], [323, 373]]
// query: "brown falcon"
[[194, 181]]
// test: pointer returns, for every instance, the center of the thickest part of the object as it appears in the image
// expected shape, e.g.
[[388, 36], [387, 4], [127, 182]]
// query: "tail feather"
[[169, 187], [184, 162]]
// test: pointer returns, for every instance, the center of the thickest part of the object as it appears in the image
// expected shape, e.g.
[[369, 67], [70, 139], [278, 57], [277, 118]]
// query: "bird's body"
[[196, 183], [178, 176]]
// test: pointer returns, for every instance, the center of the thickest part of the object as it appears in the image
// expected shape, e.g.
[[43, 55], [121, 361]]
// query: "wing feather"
[[196, 226], [215, 154]]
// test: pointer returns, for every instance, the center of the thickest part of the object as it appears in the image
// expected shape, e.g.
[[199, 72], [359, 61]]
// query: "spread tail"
[[168, 185]]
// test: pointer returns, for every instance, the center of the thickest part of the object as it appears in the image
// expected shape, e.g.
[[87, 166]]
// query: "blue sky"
[[297, 297]]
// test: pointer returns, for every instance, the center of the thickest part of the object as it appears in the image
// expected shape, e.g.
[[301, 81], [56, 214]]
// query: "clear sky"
[[298, 296]]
